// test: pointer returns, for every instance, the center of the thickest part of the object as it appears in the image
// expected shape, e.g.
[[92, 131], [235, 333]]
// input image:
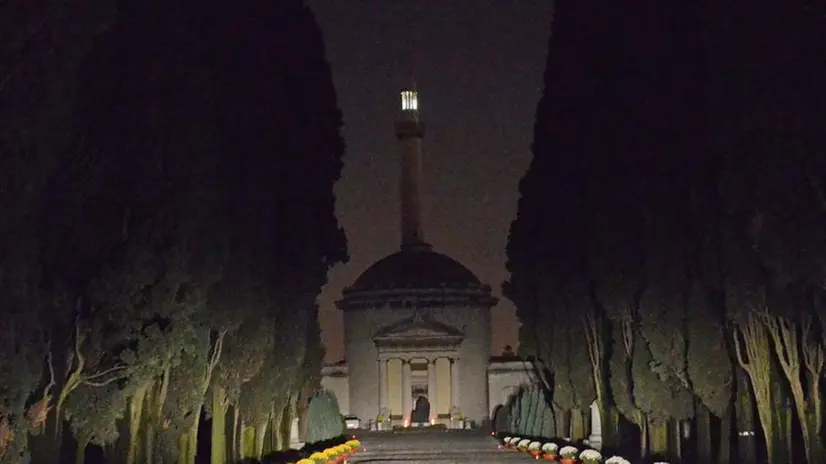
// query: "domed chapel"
[[417, 325]]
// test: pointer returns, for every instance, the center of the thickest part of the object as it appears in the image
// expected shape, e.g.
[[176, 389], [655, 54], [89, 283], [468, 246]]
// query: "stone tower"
[[410, 132]]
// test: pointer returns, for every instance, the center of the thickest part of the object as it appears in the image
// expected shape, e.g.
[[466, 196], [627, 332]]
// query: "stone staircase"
[[432, 446]]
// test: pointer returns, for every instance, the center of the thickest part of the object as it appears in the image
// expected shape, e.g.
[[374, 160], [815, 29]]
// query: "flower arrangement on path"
[[354, 445], [523, 444], [590, 456], [568, 454], [549, 451], [617, 460], [534, 448]]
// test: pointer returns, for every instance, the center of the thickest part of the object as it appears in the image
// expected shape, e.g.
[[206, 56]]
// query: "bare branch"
[[102, 383], [109, 371], [50, 362], [737, 341]]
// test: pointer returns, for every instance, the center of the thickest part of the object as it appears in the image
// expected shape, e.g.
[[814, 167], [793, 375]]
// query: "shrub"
[[324, 420]]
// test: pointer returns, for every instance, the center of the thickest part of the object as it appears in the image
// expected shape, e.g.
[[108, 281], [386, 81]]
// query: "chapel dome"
[[415, 268]]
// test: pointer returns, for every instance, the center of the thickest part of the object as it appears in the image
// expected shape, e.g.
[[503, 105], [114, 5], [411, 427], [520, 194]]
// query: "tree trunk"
[[236, 435], [703, 435], [609, 420], [578, 429], [218, 434], [675, 443], [148, 426], [782, 421], [724, 446], [642, 420], [562, 423], [658, 434], [818, 453], [192, 440], [278, 430], [80, 451], [135, 417], [746, 424], [247, 442], [292, 415], [755, 357], [270, 440], [260, 436]]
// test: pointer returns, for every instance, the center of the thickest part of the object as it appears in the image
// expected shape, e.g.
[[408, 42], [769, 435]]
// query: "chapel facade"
[[417, 324]]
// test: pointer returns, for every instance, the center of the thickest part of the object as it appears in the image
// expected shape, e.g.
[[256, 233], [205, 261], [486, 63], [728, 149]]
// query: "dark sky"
[[478, 67]]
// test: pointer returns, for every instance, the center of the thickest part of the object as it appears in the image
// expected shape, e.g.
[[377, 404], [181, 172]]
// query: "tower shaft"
[[410, 132]]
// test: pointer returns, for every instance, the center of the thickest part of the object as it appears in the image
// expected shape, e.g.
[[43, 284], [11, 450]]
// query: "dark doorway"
[[421, 412]]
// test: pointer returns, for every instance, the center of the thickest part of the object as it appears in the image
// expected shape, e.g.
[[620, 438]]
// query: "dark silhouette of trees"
[[669, 227], [167, 183]]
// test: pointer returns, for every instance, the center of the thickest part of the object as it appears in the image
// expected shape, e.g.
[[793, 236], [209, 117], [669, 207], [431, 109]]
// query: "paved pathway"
[[433, 446]]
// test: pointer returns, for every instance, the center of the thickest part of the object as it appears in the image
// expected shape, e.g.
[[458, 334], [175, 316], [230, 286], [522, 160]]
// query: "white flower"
[[549, 448], [524, 443], [534, 446], [506, 440], [590, 456], [568, 452], [512, 440], [617, 460]]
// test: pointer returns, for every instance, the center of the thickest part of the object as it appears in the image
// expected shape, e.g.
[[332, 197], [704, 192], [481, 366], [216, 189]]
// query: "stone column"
[[383, 388], [432, 387], [454, 384], [595, 439], [407, 392]]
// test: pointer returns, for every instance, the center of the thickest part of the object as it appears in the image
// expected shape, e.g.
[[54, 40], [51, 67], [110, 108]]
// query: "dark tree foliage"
[[678, 175], [169, 220]]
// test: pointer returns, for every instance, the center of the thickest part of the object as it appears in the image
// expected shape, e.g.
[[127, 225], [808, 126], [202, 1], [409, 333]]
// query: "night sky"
[[478, 67]]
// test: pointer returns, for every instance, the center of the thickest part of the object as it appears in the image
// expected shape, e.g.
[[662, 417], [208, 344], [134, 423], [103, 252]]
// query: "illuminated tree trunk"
[[658, 438], [135, 416], [578, 426], [278, 429], [292, 412], [563, 424], [188, 448], [787, 344], [755, 358], [80, 451], [593, 328], [149, 424], [642, 421], [218, 453], [247, 441], [260, 436], [272, 429], [236, 434]]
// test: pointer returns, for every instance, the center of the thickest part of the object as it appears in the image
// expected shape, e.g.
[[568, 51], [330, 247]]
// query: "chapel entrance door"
[[421, 412]]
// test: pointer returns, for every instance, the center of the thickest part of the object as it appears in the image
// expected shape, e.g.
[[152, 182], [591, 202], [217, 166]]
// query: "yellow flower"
[[306, 461], [318, 456]]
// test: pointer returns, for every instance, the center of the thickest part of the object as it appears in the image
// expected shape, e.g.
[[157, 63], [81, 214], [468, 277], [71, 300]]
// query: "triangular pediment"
[[418, 327]]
